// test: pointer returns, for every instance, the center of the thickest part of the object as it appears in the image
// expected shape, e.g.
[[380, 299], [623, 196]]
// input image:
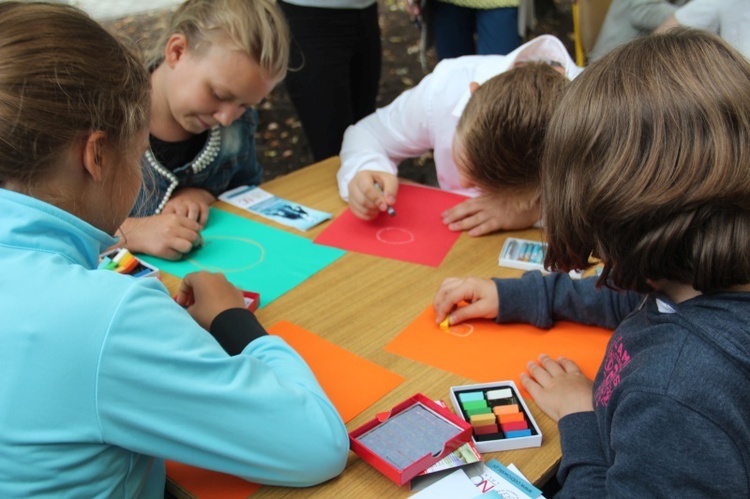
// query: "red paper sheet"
[[416, 234], [352, 383], [484, 351]]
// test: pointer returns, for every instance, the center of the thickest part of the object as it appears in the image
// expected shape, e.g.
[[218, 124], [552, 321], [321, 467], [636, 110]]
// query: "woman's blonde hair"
[[647, 165], [502, 127], [256, 27], [62, 76]]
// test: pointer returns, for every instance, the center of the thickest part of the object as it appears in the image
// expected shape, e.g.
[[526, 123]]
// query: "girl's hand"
[[167, 236], [206, 295], [558, 387], [480, 294], [191, 203], [365, 199], [489, 213]]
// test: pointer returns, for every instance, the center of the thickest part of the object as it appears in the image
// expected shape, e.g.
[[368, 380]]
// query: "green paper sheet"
[[253, 256]]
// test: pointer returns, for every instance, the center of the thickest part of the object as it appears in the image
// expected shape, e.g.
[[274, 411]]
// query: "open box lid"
[[411, 437]]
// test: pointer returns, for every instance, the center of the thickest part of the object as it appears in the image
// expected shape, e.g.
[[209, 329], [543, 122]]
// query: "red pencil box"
[[408, 439]]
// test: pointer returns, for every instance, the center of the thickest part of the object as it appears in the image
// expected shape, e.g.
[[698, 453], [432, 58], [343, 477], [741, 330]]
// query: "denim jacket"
[[236, 164]]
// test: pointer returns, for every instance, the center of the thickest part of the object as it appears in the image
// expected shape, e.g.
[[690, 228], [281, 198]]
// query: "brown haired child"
[[425, 118], [498, 142], [646, 168]]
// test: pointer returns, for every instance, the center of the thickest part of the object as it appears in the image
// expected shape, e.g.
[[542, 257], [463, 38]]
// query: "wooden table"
[[361, 303]]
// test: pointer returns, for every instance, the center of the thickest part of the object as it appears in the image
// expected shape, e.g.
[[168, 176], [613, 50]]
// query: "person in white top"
[[495, 158], [730, 19], [629, 19]]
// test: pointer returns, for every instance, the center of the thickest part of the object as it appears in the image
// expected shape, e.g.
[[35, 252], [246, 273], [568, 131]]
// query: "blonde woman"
[[217, 60]]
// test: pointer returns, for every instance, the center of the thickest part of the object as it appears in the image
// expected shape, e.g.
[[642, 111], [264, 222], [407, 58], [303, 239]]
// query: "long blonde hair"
[[256, 27]]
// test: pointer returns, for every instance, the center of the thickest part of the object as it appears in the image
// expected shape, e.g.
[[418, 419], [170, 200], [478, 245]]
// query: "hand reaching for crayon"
[[206, 295], [479, 294], [372, 192]]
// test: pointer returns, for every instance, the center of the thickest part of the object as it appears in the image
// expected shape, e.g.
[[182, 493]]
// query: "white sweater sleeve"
[[391, 134]]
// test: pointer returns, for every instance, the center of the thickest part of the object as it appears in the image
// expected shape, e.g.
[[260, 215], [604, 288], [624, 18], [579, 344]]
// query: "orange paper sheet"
[[352, 383], [209, 484], [484, 351]]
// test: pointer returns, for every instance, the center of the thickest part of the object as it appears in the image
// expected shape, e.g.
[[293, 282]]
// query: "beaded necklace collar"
[[204, 158]]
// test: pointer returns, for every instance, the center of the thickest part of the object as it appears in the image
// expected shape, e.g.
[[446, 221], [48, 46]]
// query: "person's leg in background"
[[366, 66], [497, 31], [453, 28], [318, 81]]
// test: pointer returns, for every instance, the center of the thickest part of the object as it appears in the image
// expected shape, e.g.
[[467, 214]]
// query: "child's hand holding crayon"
[[206, 295], [479, 294], [372, 192]]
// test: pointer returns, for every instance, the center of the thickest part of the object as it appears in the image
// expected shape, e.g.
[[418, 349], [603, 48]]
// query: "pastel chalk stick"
[[474, 404], [485, 430], [478, 410], [509, 418], [481, 419], [470, 396], [505, 409], [518, 433], [502, 393], [514, 425]]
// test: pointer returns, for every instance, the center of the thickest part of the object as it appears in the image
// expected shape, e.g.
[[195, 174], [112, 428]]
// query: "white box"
[[524, 254], [497, 441]]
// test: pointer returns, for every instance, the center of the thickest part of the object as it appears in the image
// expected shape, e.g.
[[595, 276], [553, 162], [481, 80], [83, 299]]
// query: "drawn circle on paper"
[[461, 330], [252, 254], [395, 235]]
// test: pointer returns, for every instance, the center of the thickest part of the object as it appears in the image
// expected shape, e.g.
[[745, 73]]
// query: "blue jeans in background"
[[464, 31]]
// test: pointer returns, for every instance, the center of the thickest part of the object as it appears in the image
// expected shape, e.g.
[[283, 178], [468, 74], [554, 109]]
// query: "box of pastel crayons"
[[408, 439], [524, 254], [499, 417], [123, 262]]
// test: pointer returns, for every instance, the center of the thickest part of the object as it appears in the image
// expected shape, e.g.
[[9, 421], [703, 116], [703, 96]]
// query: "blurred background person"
[[334, 67], [628, 19], [730, 19]]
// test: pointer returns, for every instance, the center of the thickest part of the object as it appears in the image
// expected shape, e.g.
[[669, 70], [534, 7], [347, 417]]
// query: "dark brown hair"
[[62, 76], [502, 128], [647, 165]]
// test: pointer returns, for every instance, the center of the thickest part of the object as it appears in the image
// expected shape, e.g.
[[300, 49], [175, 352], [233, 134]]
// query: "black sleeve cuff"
[[235, 328]]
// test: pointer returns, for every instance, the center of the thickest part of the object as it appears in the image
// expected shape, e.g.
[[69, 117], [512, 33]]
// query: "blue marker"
[[539, 254], [521, 251], [390, 209], [535, 254], [527, 252]]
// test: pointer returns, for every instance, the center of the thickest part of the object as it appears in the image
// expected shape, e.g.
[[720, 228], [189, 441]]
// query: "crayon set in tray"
[[524, 254], [498, 416], [122, 261]]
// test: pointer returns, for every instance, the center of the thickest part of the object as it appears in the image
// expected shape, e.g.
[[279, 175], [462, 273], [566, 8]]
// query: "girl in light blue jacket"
[[103, 375]]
